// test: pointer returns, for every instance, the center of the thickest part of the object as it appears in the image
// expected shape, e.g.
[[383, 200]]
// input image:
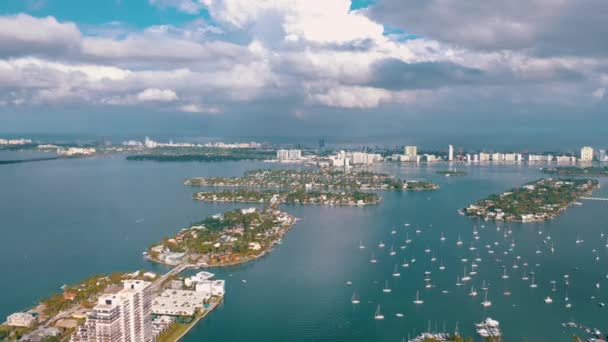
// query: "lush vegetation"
[[203, 154], [577, 171], [451, 173], [539, 200], [288, 196]]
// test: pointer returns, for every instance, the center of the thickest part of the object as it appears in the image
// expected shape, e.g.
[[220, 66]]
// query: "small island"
[[298, 196], [202, 154], [315, 179], [230, 238], [540, 200], [449, 173], [577, 171]]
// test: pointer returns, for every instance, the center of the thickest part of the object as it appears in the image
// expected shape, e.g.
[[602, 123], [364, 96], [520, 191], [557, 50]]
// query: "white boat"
[[483, 286], [394, 232], [349, 283], [396, 273], [381, 244], [441, 266], [458, 283], [533, 284], [407, 238], [405, 263], [548, 300], [465, 276], [378, 316], [442, 238], [399, 315], [486, 303], [354, 299], [418, 301], [373, 260], [427, 250], [392, 252], [504, 274], [473, 292], [361, 246], [459, 242], [386, 289]]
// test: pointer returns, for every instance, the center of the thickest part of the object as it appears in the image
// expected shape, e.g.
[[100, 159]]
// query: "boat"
[[373, 259], [459, 242], [396, 273], [392, 252], [418, 301], [405, 263], [378, 316], [349, 283], [483, 286], [486, 303], [473, 292], [407, 239], [465, 277], [548, 300], [381, 244], [354, 299], [533, 284], [488, 328], [394, 232], [458, 283], [441, 267], [427, 250], [442, 238], [504, 274], [399, 314], [386, 289], [361, 246]]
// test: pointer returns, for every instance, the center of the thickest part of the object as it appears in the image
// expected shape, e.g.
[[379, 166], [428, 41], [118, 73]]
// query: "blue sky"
[[332, 66]]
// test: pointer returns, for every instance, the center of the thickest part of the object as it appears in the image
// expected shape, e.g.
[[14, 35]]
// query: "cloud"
[[156, 95], [23, 34], [196, 108], [186, 6], [546, 27]]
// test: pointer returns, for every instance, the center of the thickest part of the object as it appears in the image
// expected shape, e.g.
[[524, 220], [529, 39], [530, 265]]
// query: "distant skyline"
[[514, 74]]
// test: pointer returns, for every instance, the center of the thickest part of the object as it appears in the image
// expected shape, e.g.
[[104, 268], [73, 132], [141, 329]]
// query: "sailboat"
[[396, 273], [407, 238], [459, 242], [504, 274], [378, 316], [354, 299], [381, 244], [373, 259], [392, 252], [533, 284], [386, 289], [418, 301], [442, 238], [552, 248], [405, 263], [486, 303], [473, 292], [548, 300], [361, 246], [458, 283], [483, 286], [441, 266], [465, 277]]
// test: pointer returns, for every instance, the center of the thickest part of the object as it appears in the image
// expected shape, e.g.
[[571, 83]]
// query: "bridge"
[[595, 198]]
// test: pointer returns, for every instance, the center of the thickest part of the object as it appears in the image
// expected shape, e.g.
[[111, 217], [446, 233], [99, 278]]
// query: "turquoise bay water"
[[64, 220]]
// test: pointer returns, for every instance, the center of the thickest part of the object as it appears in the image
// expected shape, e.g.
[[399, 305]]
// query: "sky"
[[484, 69]]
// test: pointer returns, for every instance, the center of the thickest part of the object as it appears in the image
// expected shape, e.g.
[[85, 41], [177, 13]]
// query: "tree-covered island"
[[296, 196], [449, 173], [540, 200], [577, 171], [315, 179], [202, 154], [230, 238]]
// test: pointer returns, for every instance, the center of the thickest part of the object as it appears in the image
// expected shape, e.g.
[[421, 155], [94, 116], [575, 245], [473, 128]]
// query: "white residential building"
[[587, 154], [484, 157], [179, 302], [565, 159], [21, 319], [410, 151], [289, 154], [121, 317], [602, 155]]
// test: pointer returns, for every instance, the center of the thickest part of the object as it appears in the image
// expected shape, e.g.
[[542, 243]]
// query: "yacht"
[[473, 292], [486, 303], [392, 252], [349, 283], [459, 242], [361, 246], [465, 277], [394, 232], [405, 263], [427, 250], [548, 300], [418, 300], [483, 286], [396, 273], [407, 238], [504, 274], [458, 283], [442, 238], [386, 289], [441, 267], [381, 244], [354, 299], [378, 316], [533, 284], [399, 315], [373, 259]]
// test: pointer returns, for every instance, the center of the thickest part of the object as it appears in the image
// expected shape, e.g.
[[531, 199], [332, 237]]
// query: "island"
[[449, 173], [540, 200], [229, 238], [202, 154], [326, 178], [577, 171], [296, 196]]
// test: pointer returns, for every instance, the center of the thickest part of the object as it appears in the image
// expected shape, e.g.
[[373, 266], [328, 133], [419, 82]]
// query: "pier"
[[595, 198]]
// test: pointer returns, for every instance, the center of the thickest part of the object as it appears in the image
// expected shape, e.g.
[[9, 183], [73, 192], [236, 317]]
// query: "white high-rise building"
[[295, 154], [601, 155], [450, 153], [410, 151], [586, 154], [121, 317]]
